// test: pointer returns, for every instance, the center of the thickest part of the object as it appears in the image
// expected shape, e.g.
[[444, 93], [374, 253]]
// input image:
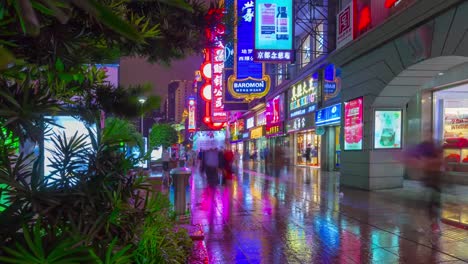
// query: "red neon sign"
[[364, 18], [390, 3]]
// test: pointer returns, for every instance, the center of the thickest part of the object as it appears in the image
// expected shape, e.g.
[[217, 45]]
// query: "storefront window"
[[451, 126], [308, 148]]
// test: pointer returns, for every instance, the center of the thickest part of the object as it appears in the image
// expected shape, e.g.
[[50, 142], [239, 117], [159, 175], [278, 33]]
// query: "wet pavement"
[[302, 216]]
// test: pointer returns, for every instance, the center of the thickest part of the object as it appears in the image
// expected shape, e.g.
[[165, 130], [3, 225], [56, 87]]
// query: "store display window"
[[451, 126], [307, 148]]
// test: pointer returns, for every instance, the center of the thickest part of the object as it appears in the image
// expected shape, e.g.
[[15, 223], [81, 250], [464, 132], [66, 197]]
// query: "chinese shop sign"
[[303, 96]]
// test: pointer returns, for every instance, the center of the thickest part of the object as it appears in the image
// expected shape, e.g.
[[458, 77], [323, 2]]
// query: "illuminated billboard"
[[387, 129], [353, 124], [249, 80], [274, 31]]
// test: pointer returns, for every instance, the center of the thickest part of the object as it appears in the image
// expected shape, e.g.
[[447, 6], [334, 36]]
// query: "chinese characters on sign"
[[303, 96], [328, 115], [353, 124], [273, 31], [191, 115], [248, 81], [300, 123], [217, 64], [345, 26]]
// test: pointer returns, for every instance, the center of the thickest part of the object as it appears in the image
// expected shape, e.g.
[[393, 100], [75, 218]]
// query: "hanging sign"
[[274, 31], [249, 80], [192, 126]]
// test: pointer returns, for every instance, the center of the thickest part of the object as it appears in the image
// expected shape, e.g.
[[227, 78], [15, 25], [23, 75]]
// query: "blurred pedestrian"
[[211, 165], [428, 159], [228, 157]]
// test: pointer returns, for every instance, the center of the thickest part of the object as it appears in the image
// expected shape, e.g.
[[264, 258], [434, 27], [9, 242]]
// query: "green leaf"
[[5, 58], [108, 18], [59, 65]]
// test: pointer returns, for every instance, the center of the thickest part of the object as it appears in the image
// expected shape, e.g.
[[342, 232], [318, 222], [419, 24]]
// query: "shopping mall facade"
[[356, 106]]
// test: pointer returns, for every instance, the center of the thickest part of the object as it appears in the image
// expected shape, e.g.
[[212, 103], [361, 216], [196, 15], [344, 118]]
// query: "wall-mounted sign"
[[353, 124], [274, 129], [274, 31], [249, 80], [331, 82], [345, 25], [300, 123], [256, 132], [217, 104], [387, 129], [245, 135], [328, 115], [275, 109], [261, 118], [250, 122], [191, 125], [302, 96]]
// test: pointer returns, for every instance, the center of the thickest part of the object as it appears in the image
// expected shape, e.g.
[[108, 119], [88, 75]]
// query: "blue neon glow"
[[328, 115]]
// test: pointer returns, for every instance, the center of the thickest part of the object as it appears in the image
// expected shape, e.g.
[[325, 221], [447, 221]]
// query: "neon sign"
[[303, 96], [249, 80], [192, 126]]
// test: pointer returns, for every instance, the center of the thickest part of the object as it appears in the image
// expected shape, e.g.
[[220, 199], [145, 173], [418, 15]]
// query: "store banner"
[[191, 122], [274, 31], [328, 116], [387, 129], [256, 132], [300, 123], [302, 96], [353, 124], [249, 81]]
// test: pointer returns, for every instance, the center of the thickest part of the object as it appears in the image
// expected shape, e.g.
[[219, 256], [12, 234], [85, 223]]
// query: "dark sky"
[[138, 71]]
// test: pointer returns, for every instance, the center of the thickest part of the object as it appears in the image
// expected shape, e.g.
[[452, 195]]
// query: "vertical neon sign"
[[192, 126]]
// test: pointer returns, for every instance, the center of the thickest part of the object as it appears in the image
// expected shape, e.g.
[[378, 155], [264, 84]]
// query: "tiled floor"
[[303, 216]]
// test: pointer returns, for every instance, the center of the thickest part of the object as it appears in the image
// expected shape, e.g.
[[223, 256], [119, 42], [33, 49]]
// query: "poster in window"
[[353, 124], [387, 129]]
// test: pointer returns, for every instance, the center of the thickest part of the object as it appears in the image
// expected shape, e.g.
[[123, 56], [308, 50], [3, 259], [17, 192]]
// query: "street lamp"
[[142, 101]]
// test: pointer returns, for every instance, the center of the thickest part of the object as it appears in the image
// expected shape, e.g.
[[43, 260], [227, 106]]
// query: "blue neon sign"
[[246, 67], [328, 115]]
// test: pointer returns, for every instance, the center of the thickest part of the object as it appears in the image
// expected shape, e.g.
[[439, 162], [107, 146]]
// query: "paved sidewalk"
[[303, 216]]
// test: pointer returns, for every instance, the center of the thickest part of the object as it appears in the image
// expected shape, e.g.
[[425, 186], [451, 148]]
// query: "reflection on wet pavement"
[[302, 216]]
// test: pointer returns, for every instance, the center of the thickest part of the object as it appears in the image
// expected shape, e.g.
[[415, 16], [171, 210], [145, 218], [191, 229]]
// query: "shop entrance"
[[308, 148]]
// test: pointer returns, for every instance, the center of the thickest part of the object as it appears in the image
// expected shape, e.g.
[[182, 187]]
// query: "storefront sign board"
[[328, 116], [302, 96], [256, 132], [300, 123]]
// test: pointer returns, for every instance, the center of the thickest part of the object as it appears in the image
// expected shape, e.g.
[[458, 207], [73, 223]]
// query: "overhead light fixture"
[[441, 73]]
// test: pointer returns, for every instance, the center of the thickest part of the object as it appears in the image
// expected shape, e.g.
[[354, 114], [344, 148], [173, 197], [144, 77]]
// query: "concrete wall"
[[391, 72]]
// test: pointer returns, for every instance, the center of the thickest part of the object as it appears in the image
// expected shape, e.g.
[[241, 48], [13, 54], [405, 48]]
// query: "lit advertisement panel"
[[274, 31], [387, 129], [68, 125], [249, 80], [353, 124], [274, 115]]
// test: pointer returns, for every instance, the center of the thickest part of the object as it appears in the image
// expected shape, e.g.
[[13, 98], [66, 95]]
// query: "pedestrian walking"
[[428, 159]]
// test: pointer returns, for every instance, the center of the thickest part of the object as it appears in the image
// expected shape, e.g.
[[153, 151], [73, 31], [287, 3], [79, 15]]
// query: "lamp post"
[[142, 101]]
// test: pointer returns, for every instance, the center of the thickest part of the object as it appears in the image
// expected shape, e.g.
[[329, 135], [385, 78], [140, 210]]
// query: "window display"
[[387, 129], [308, 149]]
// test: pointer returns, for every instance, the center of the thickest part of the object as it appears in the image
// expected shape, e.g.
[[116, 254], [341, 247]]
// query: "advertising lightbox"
[[274, 31], [353, 124], [387, 129], [68, 125], [328, 116]]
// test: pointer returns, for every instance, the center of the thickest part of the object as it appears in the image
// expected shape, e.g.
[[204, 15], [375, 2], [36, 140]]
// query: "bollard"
[[180, 178]]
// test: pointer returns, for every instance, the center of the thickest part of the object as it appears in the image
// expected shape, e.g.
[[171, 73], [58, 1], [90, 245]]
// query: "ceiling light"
[[441, 73]]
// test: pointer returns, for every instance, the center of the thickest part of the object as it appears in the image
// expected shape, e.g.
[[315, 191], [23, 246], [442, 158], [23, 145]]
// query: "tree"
[[163, 135]]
